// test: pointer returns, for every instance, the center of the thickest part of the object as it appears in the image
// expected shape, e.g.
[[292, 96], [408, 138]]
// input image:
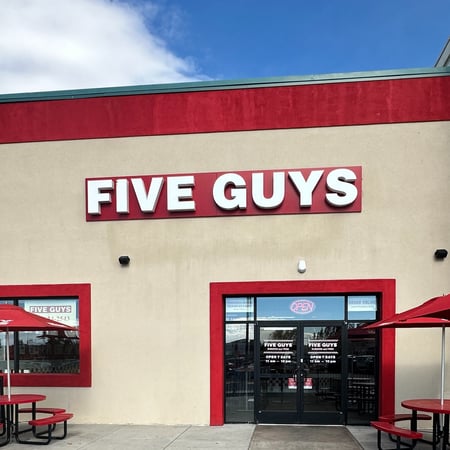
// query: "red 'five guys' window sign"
[[245, 193]]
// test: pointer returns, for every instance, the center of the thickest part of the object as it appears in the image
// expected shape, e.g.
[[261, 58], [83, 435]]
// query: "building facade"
[[220, 244]]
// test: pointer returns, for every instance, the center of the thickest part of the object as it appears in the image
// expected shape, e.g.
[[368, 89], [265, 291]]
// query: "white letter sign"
[[147, 200], [277, 190], [96, 196], [179, 193], [238, 193], [340, 182], [211, 194]]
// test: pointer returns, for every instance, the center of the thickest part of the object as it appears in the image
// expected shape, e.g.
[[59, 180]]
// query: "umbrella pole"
[[442, 365], [8, 374]]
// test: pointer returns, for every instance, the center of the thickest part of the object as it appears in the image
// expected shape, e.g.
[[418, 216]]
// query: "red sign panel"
[[245, 193]]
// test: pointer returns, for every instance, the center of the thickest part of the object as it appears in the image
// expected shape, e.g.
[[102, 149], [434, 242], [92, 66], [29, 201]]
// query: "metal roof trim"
[[248, 83]]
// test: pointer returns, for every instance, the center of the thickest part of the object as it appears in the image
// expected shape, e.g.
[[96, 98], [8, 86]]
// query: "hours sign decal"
[[323, 351], [290, 191], [278, 351]]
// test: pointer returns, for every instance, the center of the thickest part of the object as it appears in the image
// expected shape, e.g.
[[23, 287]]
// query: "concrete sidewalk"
[[231, 436]]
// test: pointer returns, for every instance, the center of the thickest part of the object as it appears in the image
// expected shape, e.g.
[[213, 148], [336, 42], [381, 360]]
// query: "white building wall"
[[150, 320]]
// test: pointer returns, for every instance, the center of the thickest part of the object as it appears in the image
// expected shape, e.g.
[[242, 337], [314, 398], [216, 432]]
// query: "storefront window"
[[362, 307], [344, 376], [362, 370], [239, 308], [45, 351], [301, 308], [49, 358], [239, 372]]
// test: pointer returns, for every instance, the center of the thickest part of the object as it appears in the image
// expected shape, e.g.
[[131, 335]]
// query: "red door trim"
[[384, 287]]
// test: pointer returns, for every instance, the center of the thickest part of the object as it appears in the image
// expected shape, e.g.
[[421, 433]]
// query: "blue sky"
[[250, 38], [65, 44]]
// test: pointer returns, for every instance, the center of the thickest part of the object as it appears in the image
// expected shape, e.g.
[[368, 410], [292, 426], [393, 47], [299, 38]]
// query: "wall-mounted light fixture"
[[301, 265], [124, 260], [441, 253]]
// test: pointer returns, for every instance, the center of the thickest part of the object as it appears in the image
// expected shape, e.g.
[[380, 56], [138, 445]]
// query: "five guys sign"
[[291, 191]]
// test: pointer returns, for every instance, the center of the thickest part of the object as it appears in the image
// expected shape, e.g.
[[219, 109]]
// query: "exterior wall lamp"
[[301, 267]]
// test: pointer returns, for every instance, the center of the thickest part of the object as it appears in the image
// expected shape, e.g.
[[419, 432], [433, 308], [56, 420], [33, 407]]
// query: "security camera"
[[124, 260], [440, 253]]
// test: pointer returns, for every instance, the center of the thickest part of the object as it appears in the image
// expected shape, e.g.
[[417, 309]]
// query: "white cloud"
[[48, 45]]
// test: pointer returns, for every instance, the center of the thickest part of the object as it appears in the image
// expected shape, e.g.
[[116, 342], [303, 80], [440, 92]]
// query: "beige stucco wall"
[[150, 323]]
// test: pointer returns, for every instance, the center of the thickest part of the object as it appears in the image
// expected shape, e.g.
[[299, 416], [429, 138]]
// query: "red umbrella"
[[15, 318], [433, 313], [435, 307], [396, 321]]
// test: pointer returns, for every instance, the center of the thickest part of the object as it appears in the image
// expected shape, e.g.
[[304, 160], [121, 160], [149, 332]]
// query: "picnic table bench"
[[50, 422], [393, 430]]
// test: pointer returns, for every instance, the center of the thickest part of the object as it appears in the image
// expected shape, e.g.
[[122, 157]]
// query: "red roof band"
[[400, 100]]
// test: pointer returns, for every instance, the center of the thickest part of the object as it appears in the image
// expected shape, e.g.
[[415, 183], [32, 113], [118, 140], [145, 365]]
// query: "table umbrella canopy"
[[435, 307], [433, 313], [15, 318], [396, 321]]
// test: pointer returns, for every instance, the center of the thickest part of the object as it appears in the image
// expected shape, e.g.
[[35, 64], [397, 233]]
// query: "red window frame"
[[83, 293], [218, 291]]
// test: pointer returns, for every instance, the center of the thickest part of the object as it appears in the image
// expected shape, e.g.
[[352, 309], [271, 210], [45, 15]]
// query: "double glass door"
[[298, 373]]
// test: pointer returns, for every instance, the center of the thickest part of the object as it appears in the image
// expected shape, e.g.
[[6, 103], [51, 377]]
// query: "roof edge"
[[225, 84], [444, 57]]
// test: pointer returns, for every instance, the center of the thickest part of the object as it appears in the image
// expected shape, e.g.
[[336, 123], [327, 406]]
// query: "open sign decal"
[[302, 306]]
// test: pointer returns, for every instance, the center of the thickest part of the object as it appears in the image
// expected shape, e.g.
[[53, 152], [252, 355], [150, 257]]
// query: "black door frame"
[[300, 416]]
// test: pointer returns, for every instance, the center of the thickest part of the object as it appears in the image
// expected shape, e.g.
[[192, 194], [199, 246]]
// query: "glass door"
[[298, 373], [276, 375], [322, 393]]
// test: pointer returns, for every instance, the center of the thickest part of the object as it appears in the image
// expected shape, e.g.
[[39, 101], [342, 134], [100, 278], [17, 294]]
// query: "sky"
[[48, 45]]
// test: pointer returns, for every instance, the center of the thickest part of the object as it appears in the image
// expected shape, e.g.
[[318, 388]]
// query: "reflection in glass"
[[308, 369], [44, 351], [239, 372], [278, 362], [239, 308], [322, 368], [301, 308], [362, 307], [361, 383]]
